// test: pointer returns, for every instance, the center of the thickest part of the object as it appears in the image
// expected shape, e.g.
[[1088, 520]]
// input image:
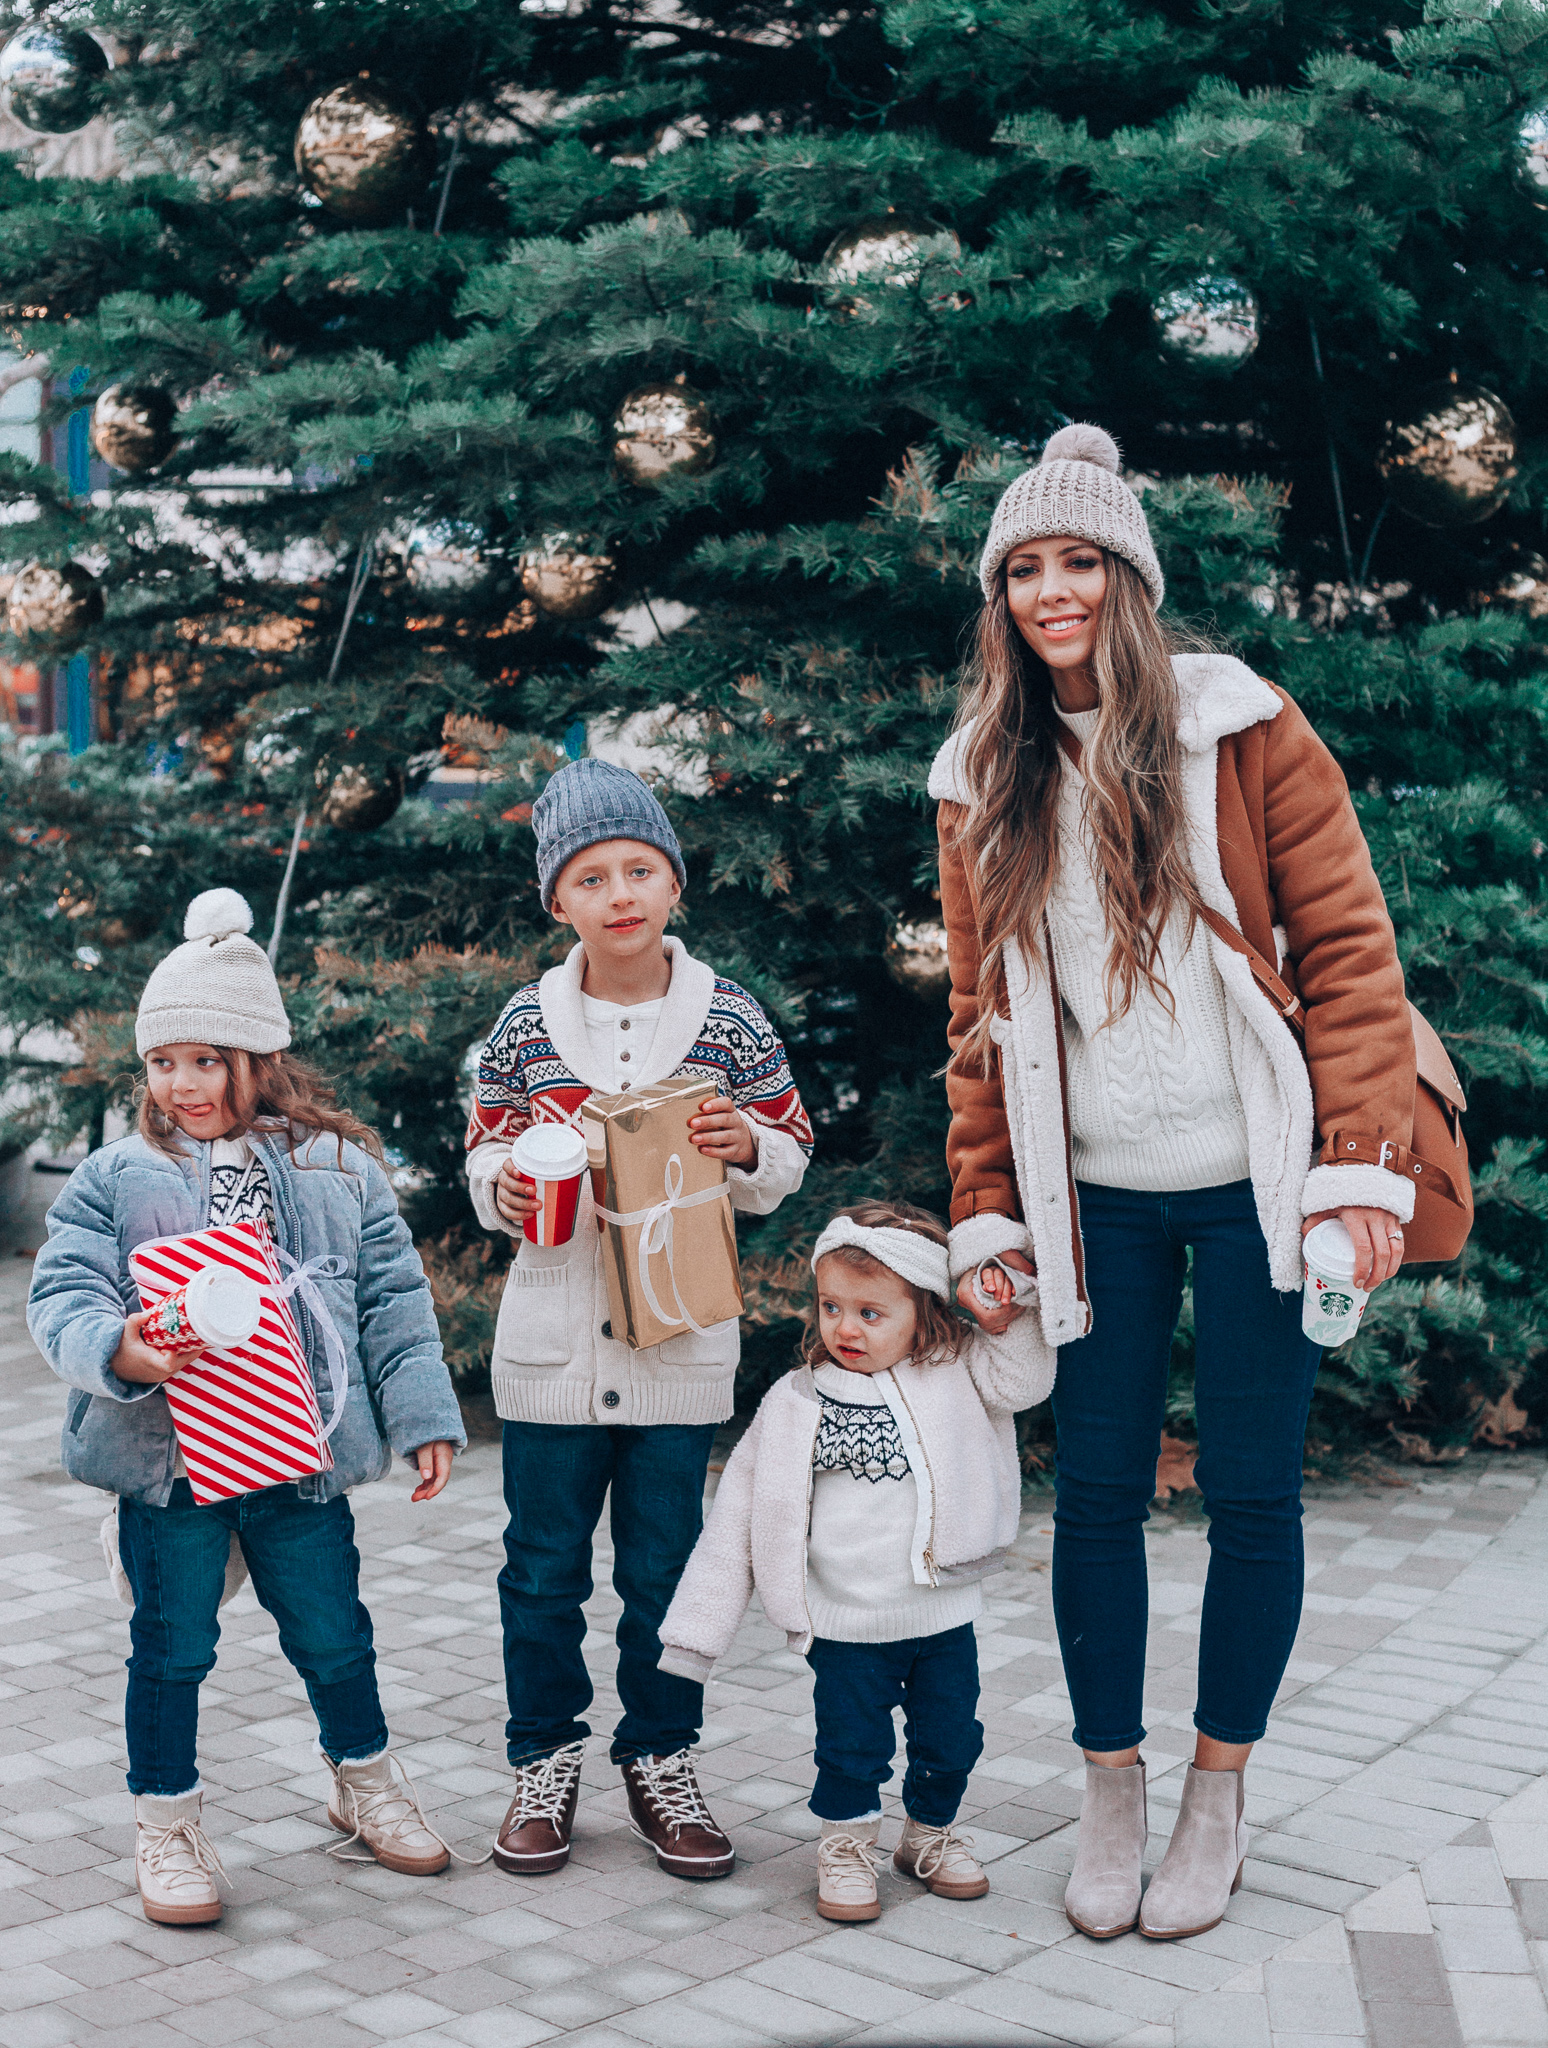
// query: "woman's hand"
[[995, 1320], [435, 1463], [136, 1362], [1378, 1242], [720, 1131], [515, 1195]]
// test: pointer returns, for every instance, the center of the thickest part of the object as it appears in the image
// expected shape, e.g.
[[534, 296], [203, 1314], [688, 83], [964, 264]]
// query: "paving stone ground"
[[1396, 1891]]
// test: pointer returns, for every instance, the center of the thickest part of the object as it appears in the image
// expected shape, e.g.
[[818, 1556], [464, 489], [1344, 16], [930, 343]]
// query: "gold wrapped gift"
[[669, 1240]]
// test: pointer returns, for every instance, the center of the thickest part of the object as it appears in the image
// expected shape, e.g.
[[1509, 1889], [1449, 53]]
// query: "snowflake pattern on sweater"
[[522, 1080]]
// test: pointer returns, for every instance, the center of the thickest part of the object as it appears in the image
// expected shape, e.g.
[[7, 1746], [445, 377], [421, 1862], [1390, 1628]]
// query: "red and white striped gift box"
[[248, 1417]]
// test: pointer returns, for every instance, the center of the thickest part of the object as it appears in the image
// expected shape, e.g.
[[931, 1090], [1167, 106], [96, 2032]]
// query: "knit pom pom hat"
[[217, 988], [1075, 489]]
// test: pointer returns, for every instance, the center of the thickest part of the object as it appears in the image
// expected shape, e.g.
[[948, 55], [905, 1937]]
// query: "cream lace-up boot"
[[175, 1867], [941, 1859], [847, 1857], [367, 1804]]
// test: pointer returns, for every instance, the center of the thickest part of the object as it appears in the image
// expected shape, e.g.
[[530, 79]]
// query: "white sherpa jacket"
[[955, 1419]]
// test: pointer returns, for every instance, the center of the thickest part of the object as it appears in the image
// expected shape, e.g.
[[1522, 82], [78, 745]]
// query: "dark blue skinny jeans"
[[557, 1476], [934, 1679], [1253, 1381], [305, 1571]]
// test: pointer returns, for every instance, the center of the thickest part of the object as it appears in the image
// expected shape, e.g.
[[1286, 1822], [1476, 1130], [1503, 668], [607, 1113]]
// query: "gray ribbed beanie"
[[589, 801], [1075, 489], [216, 989]]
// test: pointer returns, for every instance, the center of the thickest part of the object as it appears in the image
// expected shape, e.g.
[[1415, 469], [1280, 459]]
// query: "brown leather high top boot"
[[534, 1836], [667, 1809]]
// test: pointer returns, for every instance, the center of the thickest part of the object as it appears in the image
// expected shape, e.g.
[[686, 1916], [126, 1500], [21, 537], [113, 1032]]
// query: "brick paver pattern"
[[1396, 1890]]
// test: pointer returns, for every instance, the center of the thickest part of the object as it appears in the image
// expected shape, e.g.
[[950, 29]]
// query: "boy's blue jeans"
[[1253, 1377], [935, 1681], [557, 1476], [305, 1571]]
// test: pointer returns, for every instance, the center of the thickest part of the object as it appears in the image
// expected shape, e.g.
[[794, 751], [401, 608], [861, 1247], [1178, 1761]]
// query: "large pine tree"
[[888, 248]]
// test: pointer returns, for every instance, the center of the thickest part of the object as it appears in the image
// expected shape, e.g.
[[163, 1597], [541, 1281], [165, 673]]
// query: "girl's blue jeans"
[[1253, 1378], [305, 1571], [934, 1679]]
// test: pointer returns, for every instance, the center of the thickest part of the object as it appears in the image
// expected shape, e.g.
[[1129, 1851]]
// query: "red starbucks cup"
[[214, 1310], [553, 1158]]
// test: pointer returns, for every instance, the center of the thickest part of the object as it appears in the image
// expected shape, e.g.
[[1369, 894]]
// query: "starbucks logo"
[[1333, 1304]]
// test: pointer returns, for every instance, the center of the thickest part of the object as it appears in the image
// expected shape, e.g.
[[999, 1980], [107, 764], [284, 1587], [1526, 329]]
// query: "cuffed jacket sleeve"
[[1012, 1371], [484, 1163], [1339, 939], [778, 1171], [77, 1305], [978, 1142], [400, 1340], [717, 1582]]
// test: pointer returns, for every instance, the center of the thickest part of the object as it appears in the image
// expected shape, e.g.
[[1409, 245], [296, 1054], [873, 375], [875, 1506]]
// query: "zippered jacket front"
[[955, 1420]]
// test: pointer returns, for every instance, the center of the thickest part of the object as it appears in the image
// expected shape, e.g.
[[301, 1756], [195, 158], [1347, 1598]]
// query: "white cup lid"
[[549, 1152], [224, 1307], [1329, 1248]]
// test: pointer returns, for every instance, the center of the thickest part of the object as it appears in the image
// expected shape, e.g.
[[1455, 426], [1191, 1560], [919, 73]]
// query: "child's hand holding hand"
[[136, 1362], [720, 1131], [994, 1282], [435, 1463], [515, 1195]]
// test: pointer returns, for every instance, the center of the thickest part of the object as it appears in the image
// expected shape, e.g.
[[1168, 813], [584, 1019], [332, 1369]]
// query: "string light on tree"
[[48, 74], [1451, 461], [1210, 323], [131, 427], [59, 606], [568, 576], [364, 156], [663, 430]]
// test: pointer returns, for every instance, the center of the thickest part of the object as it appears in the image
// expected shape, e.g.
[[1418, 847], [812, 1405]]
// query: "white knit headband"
[[919, 1260]]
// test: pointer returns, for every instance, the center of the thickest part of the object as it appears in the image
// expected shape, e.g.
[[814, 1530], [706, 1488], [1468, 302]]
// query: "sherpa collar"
[[683, 1011], [1218, 695]]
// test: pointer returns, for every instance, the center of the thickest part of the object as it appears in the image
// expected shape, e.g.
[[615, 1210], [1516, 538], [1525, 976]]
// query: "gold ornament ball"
[[131, 427], [1450, 463], [891, 249], [1521, 585], [360, 795], [362, 155], [663, 430], [916, 959], [567, 576], [57, 605], [1532, 156], [48, 73], [1210, 323]]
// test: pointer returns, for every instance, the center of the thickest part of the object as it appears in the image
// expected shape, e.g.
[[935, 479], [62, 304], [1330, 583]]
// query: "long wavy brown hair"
[[275, 1094], [1133, 797]]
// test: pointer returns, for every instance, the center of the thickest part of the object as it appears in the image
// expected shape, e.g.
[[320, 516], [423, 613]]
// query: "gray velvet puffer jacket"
[[118, 1435]]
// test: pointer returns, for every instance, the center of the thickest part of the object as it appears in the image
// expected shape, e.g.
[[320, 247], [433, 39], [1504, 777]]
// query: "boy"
[[582, 1412]]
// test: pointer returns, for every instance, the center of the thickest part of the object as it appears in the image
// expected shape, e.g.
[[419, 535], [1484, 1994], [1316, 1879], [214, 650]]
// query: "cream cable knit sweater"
[[1153, 1101]]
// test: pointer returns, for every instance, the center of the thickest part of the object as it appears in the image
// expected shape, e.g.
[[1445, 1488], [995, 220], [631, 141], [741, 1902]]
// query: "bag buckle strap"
[[1346, 1148]]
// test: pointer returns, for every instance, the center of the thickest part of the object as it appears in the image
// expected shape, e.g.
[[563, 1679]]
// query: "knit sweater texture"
[[860, 1585], [1153, 1098]]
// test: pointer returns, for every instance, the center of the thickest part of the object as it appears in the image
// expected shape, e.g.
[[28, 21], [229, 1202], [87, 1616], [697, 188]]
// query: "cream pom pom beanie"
[[215, 989], [1075, 489]]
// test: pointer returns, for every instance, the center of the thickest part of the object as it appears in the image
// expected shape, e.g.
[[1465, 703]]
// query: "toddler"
[[877, 1486], [233, 1127]]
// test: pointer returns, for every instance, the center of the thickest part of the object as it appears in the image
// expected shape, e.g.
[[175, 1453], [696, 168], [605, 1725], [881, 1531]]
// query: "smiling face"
[[865, 1315], [191, 1086], [1054, 589], [617, 894]]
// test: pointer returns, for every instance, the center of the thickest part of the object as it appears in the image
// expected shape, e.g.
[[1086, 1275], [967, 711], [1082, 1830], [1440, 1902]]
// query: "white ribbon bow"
[[656, 1236], [303, 1281]]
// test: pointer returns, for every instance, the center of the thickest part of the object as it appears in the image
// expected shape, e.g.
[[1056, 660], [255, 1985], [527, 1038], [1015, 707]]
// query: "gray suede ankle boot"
[[1102, 1897], [1203, 1863]]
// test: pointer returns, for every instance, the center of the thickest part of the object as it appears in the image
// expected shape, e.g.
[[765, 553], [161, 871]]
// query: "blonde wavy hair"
[[1133, 797], [275, 1094]]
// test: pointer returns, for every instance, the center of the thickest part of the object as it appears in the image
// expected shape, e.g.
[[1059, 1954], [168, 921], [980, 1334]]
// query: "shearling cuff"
[[680, 1663], [484, 1163], [1357, 1187], [985, 1237]]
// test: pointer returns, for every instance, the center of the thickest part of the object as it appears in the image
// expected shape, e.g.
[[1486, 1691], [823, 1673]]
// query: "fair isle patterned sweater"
[[555, 1357]]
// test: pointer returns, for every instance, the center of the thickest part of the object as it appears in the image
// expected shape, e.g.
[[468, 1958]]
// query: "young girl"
[[877, 1486], [231, 1127]]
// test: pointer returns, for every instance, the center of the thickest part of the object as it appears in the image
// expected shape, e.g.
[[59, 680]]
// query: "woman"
[[1122, 1091]]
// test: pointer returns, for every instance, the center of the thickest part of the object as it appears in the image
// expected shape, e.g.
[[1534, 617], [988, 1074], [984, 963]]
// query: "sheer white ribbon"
[[303, 1280], [656, 1236]]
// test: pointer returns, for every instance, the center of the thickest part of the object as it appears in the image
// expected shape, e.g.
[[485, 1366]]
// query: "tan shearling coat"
[[1276, 850]]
